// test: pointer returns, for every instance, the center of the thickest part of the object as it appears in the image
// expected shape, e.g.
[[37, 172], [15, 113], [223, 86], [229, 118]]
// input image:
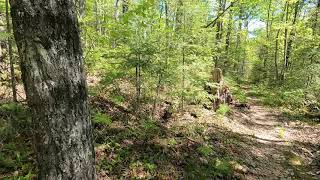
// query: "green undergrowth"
[[16, 156], [101, 119], [295, 102], [146, 149], [237, 91], [126, 148], [223, 109]]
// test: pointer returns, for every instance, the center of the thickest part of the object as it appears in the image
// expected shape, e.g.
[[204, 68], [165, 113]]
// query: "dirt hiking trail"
[[265, 143], [283, 148]]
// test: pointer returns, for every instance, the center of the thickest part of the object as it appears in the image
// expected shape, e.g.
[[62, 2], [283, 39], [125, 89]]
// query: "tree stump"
[[220, 91]]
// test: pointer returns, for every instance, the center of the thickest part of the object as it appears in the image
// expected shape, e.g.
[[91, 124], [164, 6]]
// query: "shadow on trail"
[[268, 158]]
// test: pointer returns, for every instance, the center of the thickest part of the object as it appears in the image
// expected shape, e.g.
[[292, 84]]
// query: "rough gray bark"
[[80, 4], [47, 36]]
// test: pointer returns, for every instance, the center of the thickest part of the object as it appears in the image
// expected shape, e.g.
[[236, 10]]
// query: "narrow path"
[[263, 142], [281, 148]]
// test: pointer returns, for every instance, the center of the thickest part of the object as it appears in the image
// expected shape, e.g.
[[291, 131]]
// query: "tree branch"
[[213, 23]]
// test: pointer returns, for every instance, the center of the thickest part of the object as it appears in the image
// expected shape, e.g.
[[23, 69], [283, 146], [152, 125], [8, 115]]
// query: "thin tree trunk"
[[125, 6], [268, 19], [291, 35], [277, 46], [160, 73], [116, 10], [116, 18], [268, 27], [219, 34], [96, 23], [165, 65], [228, 36], [315, 27], [285, 43], [97, 16], [246, 25], [48, 41], [238, 42], [183, 56], [0, 51], [138, 82], [183, 77], [276, 55], [12, 73], [228, 41]]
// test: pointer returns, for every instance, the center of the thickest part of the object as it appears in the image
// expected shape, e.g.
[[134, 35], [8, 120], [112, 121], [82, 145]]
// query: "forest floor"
[[268, 144], [259, 142], [282, 147]]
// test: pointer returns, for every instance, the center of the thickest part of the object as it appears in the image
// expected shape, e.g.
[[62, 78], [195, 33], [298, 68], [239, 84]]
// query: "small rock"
[[239, 168]]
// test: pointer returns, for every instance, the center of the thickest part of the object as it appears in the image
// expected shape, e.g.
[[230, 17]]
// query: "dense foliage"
[[166, 51]]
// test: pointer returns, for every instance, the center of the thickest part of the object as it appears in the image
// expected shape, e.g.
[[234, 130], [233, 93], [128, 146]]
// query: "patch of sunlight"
[[171, 142], [281, 132], [287, 143], [257, 152], [295, 161], [238, 167]]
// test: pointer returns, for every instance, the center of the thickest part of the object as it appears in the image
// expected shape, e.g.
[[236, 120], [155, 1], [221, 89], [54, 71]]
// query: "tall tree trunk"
[[292, 34], [116, 18], [163, 66], [97, 16], [181, 20], [179, 16], [277, 46], [116, 10], [276, 55], [125, 6], [228, 42], [315, 26], [12, 73], [138, 82], [285, 43], [219, 34], [0, 51], [268, 28], [228, 36], [244, 58], [48, 41], [238, 44], [183, 77]]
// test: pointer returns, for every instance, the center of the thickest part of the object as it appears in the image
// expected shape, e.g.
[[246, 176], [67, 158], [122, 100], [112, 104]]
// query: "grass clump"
[[16, 157], [101, 119], [206, 150], [223, 109]]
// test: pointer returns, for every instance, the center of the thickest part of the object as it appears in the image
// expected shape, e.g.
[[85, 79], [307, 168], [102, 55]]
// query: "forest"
[[159, 89]]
